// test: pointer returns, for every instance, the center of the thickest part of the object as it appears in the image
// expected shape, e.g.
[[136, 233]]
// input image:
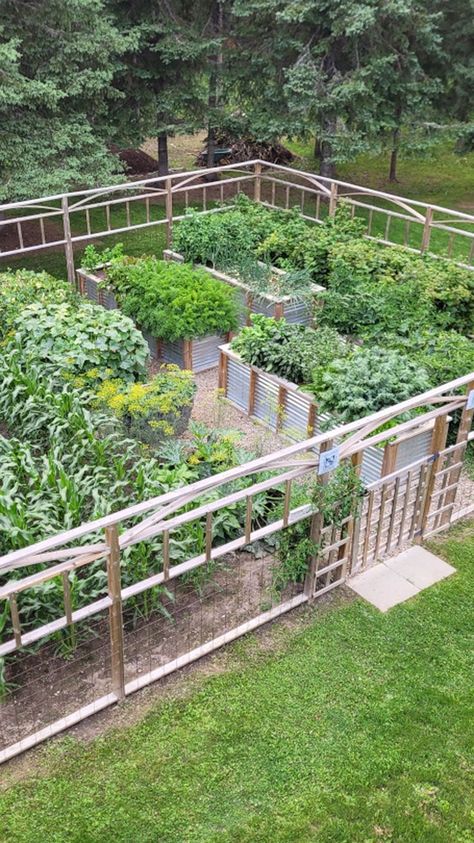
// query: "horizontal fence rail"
[[400, 508], [70, 220]]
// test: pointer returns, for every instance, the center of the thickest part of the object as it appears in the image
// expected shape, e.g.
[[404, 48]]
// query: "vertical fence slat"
[[68, 247], [286, 504], [169, 213], [115, 612], [67, 597], [208, 536], [333, 199], [166, 554], [426, 236], [248, 519], [257, 187], [15, 616]]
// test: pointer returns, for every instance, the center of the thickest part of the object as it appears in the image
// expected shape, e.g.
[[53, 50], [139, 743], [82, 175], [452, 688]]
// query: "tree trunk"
[[163, 165], [392, 176], [327, 166], [214, 80], [317, 147]]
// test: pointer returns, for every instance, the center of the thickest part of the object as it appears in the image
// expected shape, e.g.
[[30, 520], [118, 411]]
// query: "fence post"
[[465, 424], [68, 248], [115, 612], [389, 458], [438, 443], [425, 239], [333, 199], [317, 524], [169, 214], [257, 188], [353, 529]]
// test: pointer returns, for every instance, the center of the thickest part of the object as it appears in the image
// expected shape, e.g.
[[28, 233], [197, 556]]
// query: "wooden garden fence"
[[70, 220], [400, 508]]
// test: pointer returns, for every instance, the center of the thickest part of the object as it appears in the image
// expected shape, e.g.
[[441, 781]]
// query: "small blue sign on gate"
[[328, 460]]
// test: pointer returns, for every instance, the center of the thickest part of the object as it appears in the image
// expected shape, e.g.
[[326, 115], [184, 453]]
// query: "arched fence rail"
[[68, 221], [400, 508]]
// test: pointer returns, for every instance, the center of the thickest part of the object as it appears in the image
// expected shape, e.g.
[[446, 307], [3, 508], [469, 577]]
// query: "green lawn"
[[356, 728], [440, 177]]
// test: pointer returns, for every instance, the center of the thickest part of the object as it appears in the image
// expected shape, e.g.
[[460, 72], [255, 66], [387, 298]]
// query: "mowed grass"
[[356, 728]]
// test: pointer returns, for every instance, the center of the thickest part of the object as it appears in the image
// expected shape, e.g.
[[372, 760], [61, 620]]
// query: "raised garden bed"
[[287, 409], [294, 310], [196, 354]]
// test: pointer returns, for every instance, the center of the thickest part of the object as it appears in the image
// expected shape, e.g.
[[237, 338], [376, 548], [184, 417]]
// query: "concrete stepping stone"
[[395, 580], [420, 567]]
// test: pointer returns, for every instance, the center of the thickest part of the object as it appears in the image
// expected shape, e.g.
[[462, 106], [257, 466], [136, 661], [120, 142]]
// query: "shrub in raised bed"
[[83, 340], [23, 287], [285, 239], [445, 355], [151, 411]]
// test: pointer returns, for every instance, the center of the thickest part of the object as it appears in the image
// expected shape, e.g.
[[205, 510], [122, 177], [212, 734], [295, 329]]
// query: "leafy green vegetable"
[[367, 381], [83, 338], [22, 288], [173, 301], [289, 350]]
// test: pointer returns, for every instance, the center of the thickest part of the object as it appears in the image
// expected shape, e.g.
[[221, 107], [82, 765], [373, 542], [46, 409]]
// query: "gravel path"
[[216, 412]]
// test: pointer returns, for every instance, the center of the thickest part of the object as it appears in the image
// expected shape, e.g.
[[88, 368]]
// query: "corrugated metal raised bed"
[[293, 310], [287, 409], [197, 354]]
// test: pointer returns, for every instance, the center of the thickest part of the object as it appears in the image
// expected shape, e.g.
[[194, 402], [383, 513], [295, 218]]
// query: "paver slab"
[[420, 567], [382, 587]]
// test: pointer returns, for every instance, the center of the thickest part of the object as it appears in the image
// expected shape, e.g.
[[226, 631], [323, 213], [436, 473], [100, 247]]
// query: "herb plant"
[[173, 301], [151, 411]]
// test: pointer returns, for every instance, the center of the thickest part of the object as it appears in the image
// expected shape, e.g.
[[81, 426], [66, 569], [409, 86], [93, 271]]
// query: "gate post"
[[333, 199], [438, 443], [461, 439], [115, 612], [426, 236], [257, 189], [317, 524]]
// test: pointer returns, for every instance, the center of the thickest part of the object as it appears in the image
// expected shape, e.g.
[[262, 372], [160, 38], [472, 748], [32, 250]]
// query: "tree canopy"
[[77, 77]]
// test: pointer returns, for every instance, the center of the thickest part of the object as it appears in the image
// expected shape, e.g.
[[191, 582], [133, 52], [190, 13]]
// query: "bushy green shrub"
[[82, 338], [296, 244], [429, 290], [153, 411], [289, 350], [173, 301], [93, 258], [22, 288], [285, 239], [214, 239], [445, 355], [367, 381]]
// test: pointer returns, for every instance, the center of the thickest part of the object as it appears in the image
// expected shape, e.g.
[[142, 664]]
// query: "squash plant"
[[83, 338], [22, 288]]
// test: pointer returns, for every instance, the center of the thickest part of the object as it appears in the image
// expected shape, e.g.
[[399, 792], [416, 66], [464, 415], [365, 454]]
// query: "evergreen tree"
[[57, 66]]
